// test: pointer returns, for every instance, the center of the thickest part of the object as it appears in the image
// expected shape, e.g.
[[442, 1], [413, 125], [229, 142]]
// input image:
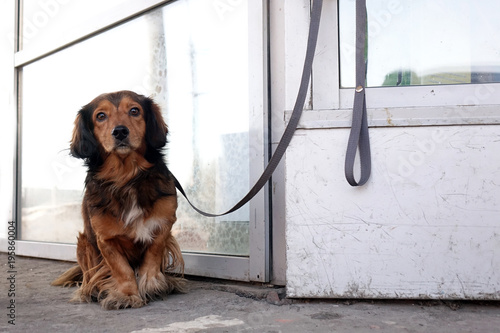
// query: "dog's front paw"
[[157, 285], [117, 300], [154, 285]]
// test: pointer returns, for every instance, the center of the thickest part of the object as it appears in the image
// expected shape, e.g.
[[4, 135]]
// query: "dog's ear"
[[156, 129], [83, 143]]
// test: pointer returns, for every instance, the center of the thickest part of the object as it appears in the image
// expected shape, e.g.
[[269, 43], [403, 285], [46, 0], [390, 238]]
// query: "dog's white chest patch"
[[144, 230], [133, 214]]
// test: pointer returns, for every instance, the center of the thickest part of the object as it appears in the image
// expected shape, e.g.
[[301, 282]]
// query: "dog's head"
[[118, 123]]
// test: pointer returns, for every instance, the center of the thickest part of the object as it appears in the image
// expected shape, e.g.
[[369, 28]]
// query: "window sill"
[[402, 117]]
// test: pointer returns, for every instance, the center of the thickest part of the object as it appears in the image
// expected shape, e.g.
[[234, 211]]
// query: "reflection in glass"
[[194, 64], [425, 42]]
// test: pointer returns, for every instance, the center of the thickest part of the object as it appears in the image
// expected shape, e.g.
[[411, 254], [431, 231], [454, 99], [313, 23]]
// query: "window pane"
[[46, 20], [194, 63], [425, 42], [54, 21]]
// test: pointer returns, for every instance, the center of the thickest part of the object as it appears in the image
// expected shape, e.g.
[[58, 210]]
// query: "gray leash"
[[359, 138]]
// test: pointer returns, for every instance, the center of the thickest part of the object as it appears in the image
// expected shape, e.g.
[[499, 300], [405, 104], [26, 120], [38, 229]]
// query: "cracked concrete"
[[222, 306]]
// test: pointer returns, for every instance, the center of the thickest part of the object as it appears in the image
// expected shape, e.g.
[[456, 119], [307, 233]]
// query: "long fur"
[[126, 254]]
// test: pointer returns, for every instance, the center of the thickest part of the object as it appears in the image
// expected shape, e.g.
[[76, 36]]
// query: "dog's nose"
[[120, 132]]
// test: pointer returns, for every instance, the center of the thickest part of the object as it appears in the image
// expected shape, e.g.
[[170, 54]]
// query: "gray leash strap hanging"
[[292, 124], [359, 137]]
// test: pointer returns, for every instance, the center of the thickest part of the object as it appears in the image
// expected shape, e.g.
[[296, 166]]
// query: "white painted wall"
[[426, 225]]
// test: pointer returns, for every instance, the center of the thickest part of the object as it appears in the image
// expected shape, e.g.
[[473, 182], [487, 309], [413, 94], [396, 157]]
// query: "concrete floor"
[[221, 306]]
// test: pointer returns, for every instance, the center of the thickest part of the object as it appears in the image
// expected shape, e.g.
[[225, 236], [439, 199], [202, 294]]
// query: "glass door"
[[204, 65]]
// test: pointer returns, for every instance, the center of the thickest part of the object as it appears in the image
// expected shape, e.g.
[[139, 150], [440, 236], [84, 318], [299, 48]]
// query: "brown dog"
[[126, 253]]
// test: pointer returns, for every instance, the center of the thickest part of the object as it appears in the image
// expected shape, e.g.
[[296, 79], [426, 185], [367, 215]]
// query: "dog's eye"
[[101, 116], [134, 112]]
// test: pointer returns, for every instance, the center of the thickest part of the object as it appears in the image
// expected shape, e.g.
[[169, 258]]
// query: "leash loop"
[[359, 137]]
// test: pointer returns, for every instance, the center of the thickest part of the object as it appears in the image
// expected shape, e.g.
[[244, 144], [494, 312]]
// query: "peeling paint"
[[389, 117], [431, 235]]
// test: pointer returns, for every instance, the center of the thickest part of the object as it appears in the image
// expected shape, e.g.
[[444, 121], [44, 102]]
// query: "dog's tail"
[[70, 278]]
